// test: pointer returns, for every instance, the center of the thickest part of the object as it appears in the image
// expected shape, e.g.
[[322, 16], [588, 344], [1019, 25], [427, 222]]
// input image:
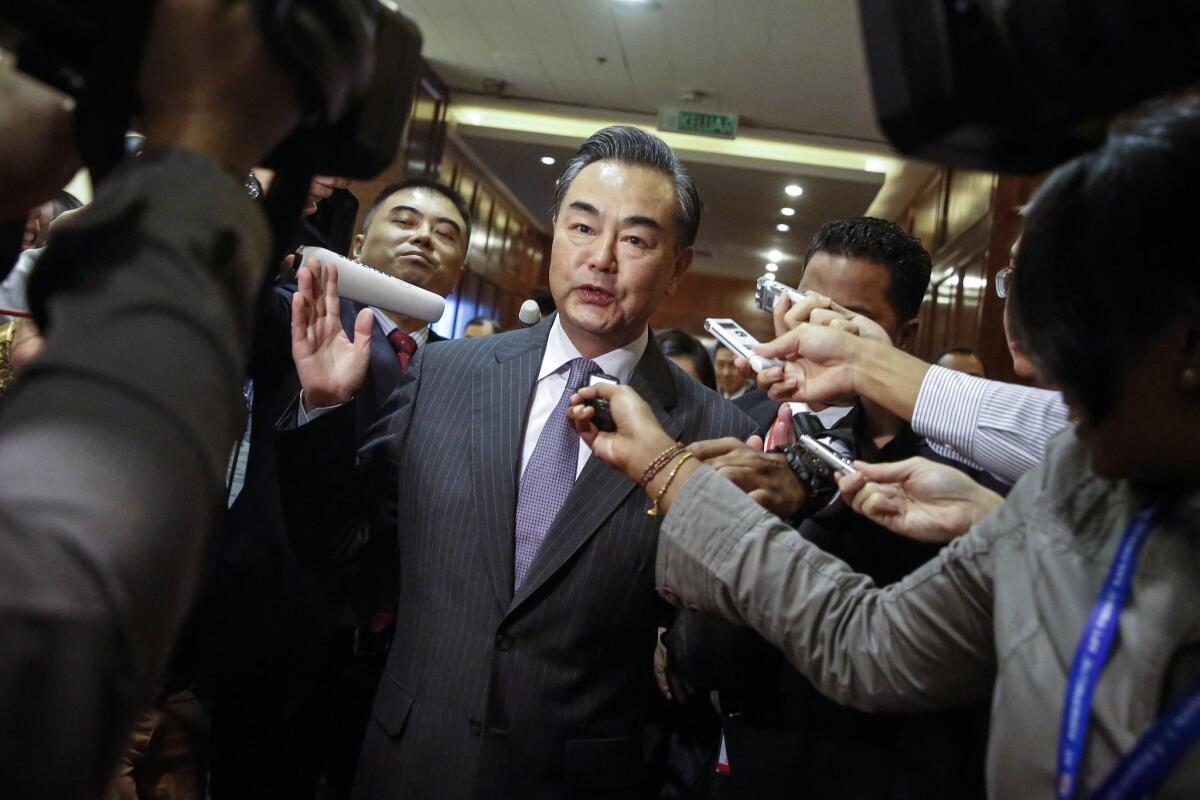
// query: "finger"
[[768, 377], [332, 181], [300, 314], [755, 442], [319, 191], [779, 313], [744, 479], [850, 485], [783, 391], [743, 368], [825, 316], [863, 495], [893, 472], [664, 686], [364, 324], [803, 310], [879, 507], [712, 448], [844, 325], [332, 301]]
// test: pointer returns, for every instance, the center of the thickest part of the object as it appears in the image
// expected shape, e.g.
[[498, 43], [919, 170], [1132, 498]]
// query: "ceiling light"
[[775, 255], [783, 227], [876, 165], [787, 212], [548, 161], [772, 267], [793, 190]]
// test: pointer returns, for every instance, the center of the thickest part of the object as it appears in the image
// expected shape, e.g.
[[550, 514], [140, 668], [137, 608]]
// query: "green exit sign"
[[700, 123]]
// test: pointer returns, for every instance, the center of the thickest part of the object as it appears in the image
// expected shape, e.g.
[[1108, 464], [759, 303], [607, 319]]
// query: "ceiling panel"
[[794, 65]]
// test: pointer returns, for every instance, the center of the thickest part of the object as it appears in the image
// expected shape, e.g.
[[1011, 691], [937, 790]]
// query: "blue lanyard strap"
[[1156, 753], [1092, 653]]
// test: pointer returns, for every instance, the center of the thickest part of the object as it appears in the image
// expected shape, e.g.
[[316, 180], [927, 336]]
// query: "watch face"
[[253, 187]]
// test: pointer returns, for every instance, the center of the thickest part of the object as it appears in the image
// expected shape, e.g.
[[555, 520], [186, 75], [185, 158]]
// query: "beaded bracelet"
[[652, 511], [663, 458]]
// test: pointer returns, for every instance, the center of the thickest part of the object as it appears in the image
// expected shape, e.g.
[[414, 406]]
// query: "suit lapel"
[[600, 489], [499, 405]]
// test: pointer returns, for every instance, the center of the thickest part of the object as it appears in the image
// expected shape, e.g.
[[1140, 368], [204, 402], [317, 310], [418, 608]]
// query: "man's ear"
[[462, 270], [682, 262], [906, 336], [356, 246]]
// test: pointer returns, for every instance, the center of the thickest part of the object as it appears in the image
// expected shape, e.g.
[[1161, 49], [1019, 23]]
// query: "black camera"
[[1019, 85], [355, 65]]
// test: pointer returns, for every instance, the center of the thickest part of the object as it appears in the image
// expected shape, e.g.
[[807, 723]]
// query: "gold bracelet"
[[660, 461], [652, 511]]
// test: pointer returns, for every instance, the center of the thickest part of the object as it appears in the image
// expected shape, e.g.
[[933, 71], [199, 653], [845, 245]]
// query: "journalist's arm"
[[923, 643], [112, 455]]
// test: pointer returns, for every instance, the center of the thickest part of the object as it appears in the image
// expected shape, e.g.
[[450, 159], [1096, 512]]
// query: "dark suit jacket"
[[266, 620], [487, 694]]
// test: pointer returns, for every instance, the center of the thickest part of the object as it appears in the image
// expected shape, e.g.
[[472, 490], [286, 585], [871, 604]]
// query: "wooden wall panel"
[[703, 295], [969, 221]]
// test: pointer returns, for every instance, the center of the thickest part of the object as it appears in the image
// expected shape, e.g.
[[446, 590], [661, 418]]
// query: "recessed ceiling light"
[[787, 212], [783, 227], [548, 160], [772, 267], [794, 190], [775, 255]]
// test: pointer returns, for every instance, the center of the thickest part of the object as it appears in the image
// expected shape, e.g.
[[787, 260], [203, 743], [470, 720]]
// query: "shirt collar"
[[386, 326], [619, 363]]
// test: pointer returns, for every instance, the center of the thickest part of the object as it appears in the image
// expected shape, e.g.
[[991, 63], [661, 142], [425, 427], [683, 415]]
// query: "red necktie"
[[404, 345]]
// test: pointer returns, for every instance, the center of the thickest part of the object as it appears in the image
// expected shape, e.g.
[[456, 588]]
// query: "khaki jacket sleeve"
[[923, 643]]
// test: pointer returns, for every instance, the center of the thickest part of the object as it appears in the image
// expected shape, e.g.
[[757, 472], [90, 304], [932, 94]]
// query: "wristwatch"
[[814, 475]]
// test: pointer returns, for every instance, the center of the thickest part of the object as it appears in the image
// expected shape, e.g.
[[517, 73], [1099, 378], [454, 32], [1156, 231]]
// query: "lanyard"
[[1156, 753]]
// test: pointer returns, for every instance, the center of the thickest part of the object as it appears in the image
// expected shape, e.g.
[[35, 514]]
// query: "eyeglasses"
[[1004, 282]]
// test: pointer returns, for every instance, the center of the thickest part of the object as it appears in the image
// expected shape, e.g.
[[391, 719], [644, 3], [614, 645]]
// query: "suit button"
[[504, 642], [475, 726]]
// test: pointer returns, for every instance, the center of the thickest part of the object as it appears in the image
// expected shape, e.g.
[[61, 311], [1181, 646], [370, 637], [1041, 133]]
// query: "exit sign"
[[700, 123]]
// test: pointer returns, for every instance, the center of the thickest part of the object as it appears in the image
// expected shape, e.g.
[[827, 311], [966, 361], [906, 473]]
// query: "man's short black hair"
[[423, 183], [626, 144], [881, 242], [496, 327], [1108, 255]]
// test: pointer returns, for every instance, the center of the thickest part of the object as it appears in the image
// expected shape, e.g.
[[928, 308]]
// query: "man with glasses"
[[999, 427]]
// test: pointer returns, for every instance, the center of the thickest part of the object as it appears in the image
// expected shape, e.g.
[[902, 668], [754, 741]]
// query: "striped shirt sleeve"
[[999, 427]]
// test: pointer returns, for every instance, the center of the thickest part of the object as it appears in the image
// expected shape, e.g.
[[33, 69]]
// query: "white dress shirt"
[[552, 381], [1000, 427]]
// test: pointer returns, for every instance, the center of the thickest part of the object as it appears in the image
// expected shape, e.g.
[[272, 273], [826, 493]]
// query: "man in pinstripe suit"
[[521, 662]]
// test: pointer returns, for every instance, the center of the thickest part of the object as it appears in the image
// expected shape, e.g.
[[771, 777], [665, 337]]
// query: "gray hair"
[[629, 145]]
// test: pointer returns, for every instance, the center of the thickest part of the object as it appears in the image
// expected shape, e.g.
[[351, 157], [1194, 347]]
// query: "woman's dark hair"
[[1107, 259], [675, 342]]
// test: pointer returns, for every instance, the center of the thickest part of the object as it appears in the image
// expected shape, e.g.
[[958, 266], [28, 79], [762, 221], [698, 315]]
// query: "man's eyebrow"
[[419, 213], [648, 222], [585, 207]]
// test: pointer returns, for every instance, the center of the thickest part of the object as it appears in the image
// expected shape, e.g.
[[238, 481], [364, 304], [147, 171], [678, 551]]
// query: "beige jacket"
[[999, 611]]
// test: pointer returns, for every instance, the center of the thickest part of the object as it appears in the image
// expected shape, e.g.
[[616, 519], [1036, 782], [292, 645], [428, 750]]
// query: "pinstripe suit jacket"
[[487, 694]]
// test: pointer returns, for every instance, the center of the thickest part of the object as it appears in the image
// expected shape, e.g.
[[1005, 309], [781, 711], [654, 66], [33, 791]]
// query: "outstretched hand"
[[330, 365], [638, 437], [918, 498]]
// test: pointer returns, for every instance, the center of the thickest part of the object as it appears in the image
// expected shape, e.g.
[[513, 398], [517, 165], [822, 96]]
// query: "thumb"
[[895, 472], [362, 326]]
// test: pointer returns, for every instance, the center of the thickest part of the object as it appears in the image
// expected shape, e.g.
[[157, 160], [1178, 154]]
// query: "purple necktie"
[[549, 475]]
